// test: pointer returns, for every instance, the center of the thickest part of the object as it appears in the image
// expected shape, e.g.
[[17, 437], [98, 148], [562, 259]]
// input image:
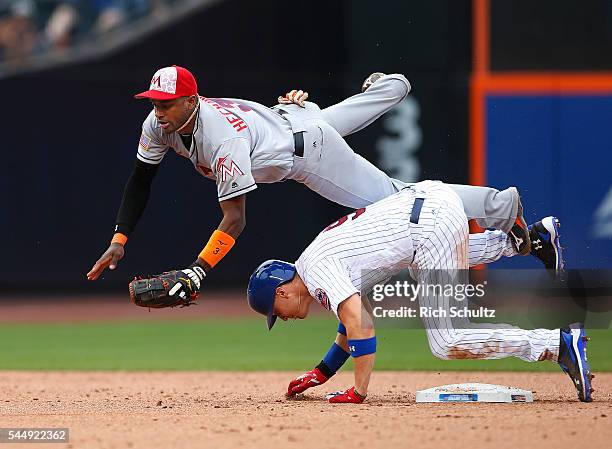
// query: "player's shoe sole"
[[519, 234], [371, 80], [546, 244], [573, 360]]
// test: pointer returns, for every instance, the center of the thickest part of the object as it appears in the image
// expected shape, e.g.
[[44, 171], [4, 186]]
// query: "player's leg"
[[488, 247], [443, 259], [489, 207], [332, 169], [358, 111]]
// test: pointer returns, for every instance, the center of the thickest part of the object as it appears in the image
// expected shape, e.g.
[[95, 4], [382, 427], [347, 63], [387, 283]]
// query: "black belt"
[[416, 210], [298, 139]]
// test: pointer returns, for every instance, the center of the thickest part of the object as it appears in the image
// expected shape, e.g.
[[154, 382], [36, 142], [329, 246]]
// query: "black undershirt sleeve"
[[135, 196]]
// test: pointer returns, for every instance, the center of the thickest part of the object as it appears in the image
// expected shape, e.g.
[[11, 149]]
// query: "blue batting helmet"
[[263, 283]]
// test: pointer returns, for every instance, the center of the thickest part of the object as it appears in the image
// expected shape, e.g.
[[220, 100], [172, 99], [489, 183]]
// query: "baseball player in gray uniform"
[[422, 228], [239, 143]]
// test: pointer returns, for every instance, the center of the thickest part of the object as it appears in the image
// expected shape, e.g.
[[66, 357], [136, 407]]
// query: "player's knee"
[[441, 355], [395, 87], [450, 351], [459, 352], [401, 87], [440, 351]]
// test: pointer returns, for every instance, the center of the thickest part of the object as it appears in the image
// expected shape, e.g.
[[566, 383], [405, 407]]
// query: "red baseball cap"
[[170, 83]]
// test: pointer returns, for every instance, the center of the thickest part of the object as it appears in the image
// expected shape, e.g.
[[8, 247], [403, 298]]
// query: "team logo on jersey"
[[144, 142], [321, 296], [225, 168]]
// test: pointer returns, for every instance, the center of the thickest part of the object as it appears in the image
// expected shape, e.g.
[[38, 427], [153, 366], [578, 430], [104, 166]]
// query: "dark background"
[[70, 133], [566, 35]]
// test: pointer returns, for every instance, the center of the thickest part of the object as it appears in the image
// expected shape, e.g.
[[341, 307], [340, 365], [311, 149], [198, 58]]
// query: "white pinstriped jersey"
[[363, 248], [235, 142], [377, 242]]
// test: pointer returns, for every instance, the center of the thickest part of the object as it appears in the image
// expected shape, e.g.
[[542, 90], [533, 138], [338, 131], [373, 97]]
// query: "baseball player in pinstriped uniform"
[[239, 143], [422, 228]]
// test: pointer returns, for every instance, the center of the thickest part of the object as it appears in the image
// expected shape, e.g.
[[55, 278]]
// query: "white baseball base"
[[474, 392]]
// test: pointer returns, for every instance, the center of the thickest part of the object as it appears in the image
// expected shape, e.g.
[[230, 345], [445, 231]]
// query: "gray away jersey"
[[235, 142]]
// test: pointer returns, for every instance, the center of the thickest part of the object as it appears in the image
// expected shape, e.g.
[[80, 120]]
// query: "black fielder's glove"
[[170, 289]]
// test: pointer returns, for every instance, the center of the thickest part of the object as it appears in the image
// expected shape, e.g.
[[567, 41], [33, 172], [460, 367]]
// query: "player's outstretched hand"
[[109, 259], [349, 396], [294, 97], [305, 381]]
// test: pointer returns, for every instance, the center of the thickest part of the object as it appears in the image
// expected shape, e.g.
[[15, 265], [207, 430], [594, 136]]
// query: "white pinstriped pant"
[[443, 255]]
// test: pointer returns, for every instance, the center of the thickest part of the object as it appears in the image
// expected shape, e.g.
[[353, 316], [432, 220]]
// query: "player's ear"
[[280, 291]]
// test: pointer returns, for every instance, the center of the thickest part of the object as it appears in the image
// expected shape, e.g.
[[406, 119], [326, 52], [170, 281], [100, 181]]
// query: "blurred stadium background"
[[504, 93]]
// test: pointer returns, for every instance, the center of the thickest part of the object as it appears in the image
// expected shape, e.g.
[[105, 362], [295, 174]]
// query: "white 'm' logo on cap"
[[164, 80]]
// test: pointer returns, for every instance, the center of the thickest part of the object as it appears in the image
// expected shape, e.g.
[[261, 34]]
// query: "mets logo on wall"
[[321, 296], [223, 170]]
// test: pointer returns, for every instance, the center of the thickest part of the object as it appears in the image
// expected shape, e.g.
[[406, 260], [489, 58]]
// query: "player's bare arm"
[[357, 336], [224, 237], [361, 343], [182, 287], [335, 357], [234, 216]]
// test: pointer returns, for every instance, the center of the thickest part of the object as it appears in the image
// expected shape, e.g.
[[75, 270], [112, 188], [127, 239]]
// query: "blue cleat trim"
[[552, 225], [580, 373], [546, 244]]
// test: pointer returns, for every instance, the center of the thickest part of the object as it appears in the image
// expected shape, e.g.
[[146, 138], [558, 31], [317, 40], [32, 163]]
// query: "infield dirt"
[[230, 409]]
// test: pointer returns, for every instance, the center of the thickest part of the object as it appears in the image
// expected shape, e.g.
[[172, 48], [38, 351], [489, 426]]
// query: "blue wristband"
[[341, 329], [362, 347], [335, 358]]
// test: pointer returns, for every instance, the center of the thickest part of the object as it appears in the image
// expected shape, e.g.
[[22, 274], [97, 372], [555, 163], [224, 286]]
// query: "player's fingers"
[[303, 98], [291, 94], [97, 269], [92, 275], [113, 261], [294, 383], [303, 386], [295, 390]]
